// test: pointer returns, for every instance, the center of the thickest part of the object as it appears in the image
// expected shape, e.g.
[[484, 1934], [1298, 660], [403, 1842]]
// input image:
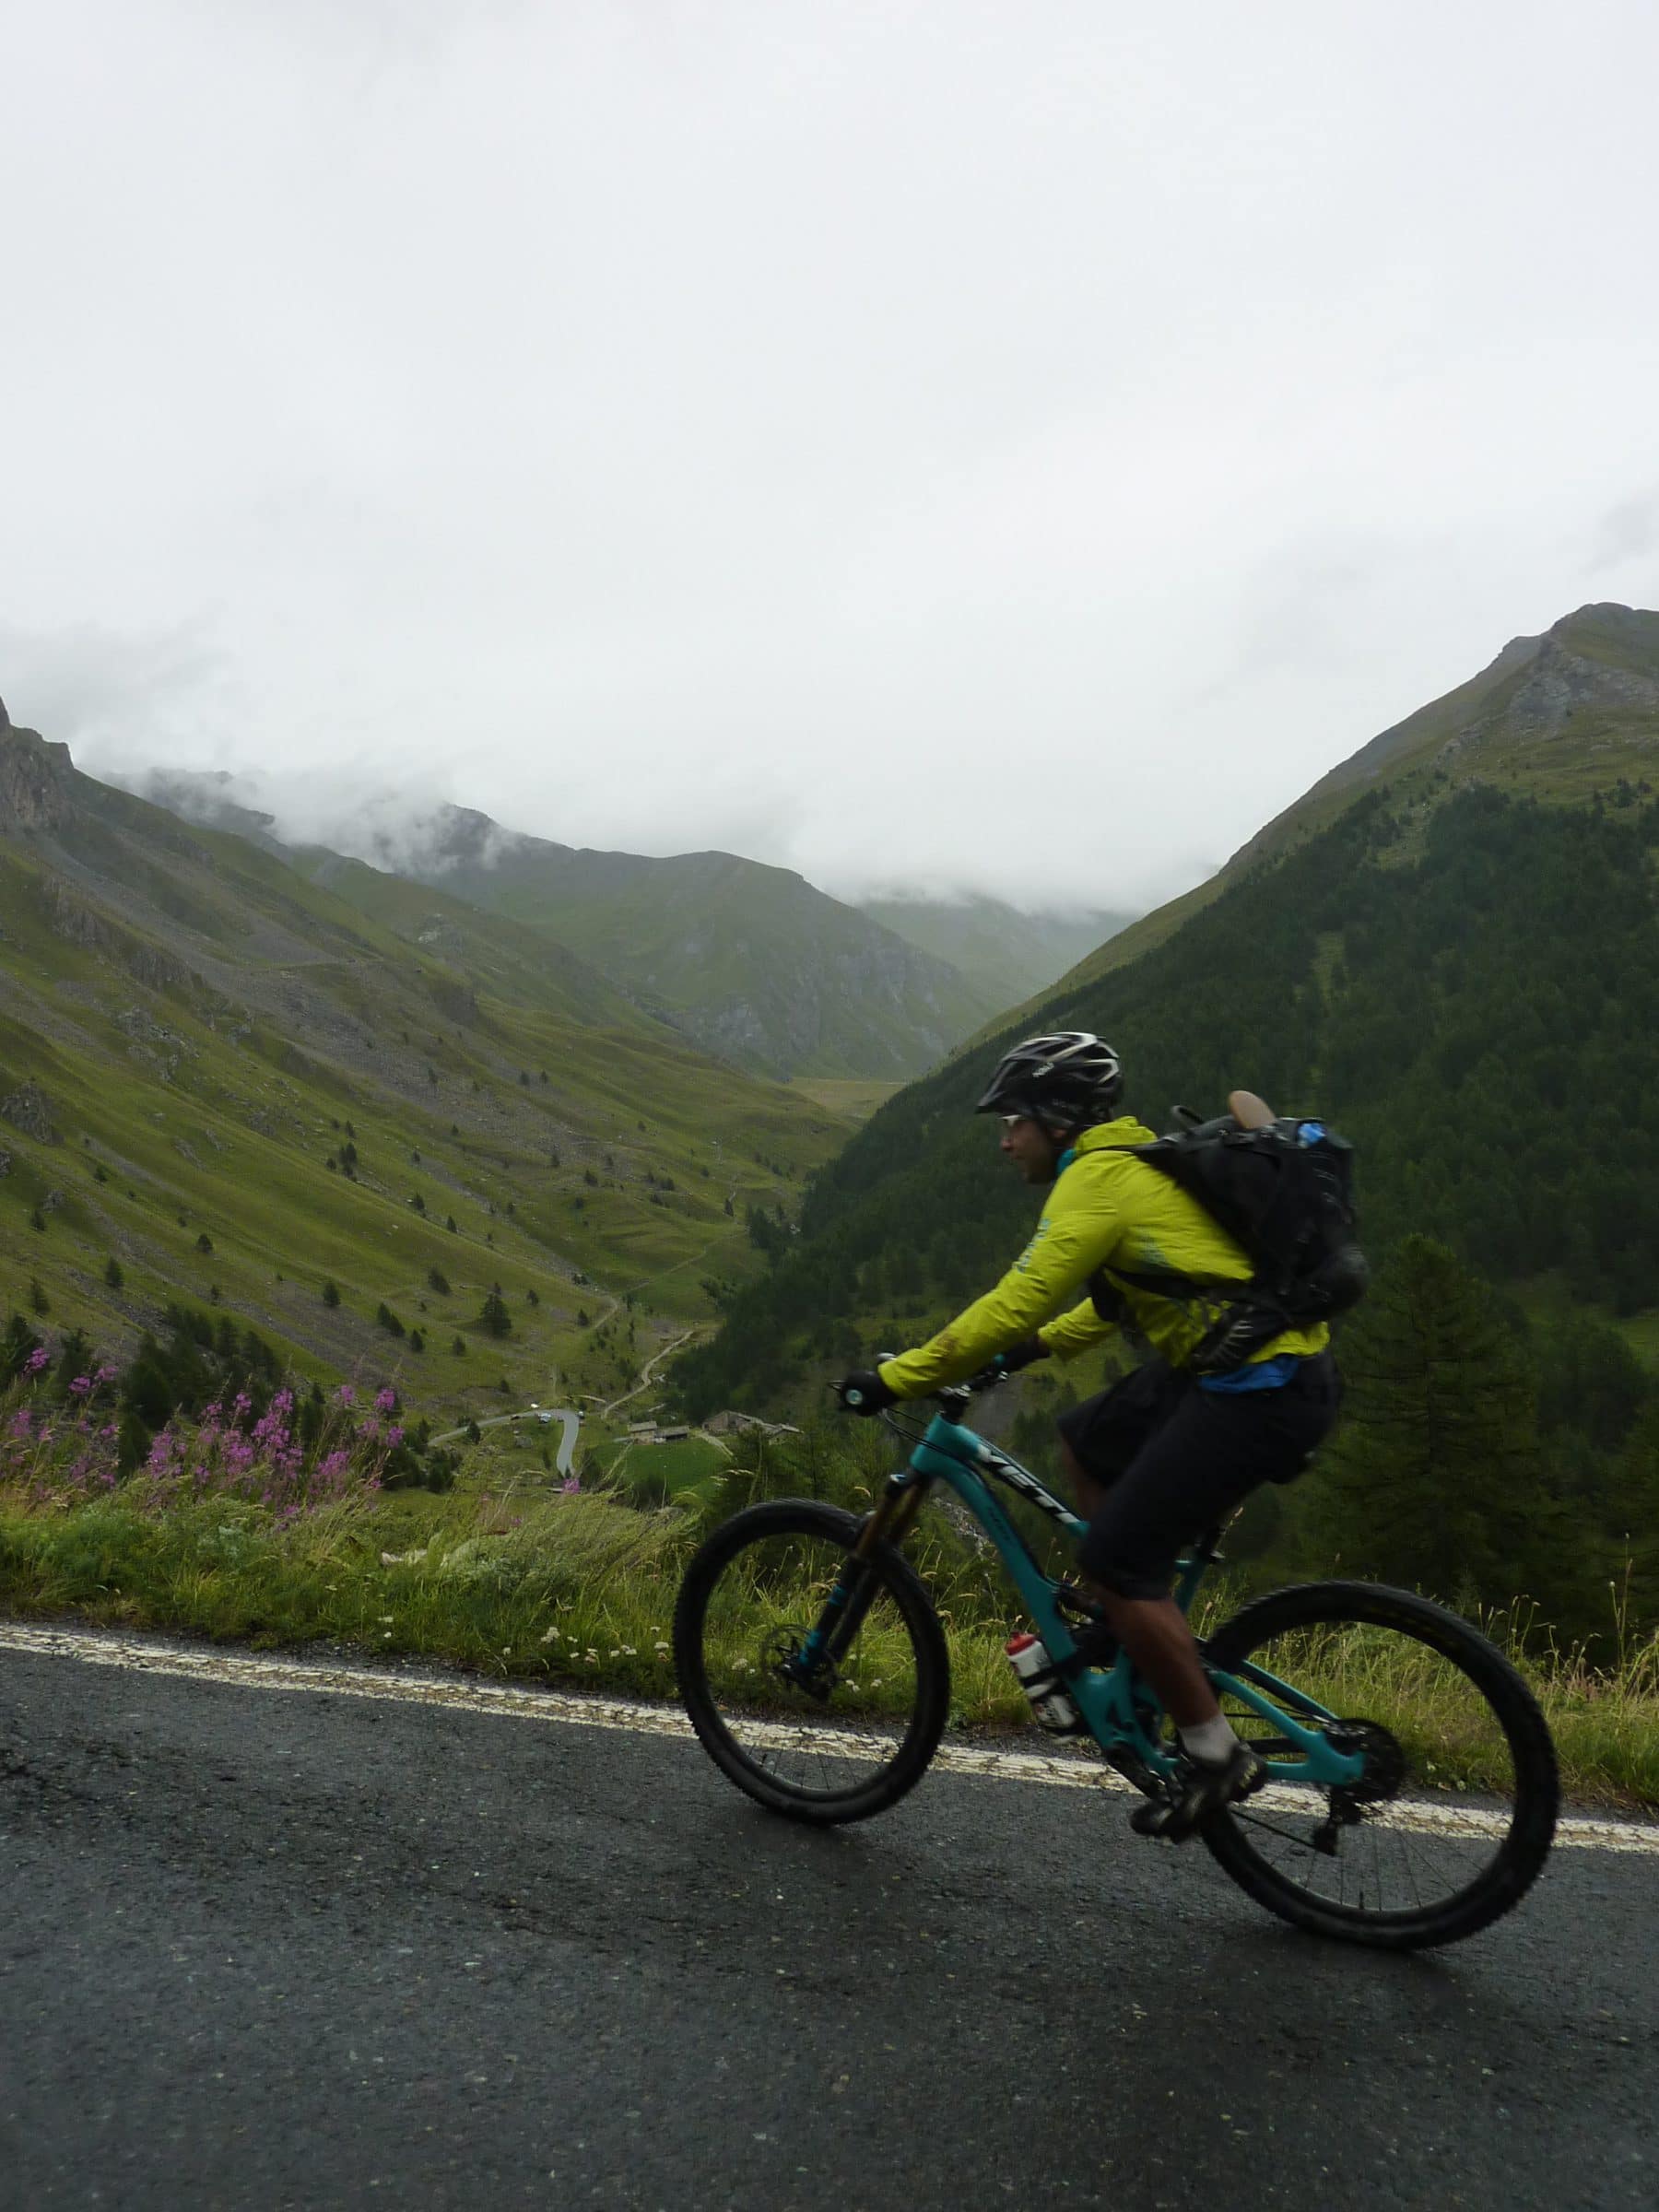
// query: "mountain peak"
[[35, 775], [1624, 638], [1608, 613]]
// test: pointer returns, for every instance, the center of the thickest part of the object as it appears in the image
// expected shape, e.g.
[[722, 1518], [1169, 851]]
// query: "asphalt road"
[[291, 1950]]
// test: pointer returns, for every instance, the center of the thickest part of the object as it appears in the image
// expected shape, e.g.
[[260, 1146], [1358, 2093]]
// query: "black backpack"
[[1285, 1192]]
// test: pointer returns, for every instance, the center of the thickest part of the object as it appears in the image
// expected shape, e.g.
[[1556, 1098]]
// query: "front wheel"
[[824, 1738], [1451, 1816]]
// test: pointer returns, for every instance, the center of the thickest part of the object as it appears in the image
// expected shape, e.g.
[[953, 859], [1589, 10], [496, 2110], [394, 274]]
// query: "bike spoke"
[[761, 1612], [1436, 1802]]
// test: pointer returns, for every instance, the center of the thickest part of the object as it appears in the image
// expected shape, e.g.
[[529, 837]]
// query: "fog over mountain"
[[409, 832], [751, 961], [422, 831], [1013, 451]]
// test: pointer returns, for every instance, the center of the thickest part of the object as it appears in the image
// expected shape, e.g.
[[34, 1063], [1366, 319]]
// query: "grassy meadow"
[[322, 1103]]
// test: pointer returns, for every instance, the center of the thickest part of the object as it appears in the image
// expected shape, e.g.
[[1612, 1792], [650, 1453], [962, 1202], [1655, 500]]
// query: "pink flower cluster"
[[60, 1461], [266, 1462], [67, 1457]]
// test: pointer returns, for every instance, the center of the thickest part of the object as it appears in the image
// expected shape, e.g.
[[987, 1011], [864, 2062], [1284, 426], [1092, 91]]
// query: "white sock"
[[1212, 1741]]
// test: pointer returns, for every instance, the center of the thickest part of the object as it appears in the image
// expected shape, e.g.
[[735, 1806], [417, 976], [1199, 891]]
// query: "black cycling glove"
[[864, 1392]]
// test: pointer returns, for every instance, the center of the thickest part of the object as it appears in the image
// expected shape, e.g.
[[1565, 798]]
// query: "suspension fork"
[[854, 1590], [903, 1499]]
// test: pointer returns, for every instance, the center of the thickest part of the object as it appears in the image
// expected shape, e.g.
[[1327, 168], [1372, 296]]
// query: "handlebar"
[[952, 1400]]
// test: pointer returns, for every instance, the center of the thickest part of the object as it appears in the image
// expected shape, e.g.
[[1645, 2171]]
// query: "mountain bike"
[[1412, 1790]]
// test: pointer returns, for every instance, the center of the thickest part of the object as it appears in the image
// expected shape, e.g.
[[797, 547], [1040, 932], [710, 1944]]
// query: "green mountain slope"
[[751, 962], [1561, 716], [221, 1081], [1002, 952], [1458, 960]]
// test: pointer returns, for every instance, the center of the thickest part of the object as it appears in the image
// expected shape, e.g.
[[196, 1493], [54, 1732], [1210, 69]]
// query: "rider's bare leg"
[[1154, 1632]]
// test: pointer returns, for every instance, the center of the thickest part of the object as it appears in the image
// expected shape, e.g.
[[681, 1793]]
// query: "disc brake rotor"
[[782, 1658]]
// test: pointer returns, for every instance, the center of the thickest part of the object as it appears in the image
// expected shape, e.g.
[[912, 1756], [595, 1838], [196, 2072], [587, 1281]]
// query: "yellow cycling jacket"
[[1108, 1212]]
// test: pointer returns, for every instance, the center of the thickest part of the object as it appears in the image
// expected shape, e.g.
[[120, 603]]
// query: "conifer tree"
[[17, 1343], [1434, 1479]]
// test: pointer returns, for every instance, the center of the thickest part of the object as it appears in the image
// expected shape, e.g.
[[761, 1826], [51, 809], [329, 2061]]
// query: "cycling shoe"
[[1205, 1787]]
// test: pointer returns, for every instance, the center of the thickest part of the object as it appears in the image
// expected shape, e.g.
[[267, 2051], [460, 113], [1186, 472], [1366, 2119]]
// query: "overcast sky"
[[1019, 446]]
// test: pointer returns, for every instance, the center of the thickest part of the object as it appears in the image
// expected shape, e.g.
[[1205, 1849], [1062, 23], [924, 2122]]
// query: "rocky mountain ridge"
[[752, 962]]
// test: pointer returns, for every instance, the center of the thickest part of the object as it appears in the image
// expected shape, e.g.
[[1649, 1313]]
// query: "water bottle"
[[1310, 1132], [1052, 1707]]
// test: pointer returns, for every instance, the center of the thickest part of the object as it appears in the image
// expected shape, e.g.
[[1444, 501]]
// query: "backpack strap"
[[1162, 1282]]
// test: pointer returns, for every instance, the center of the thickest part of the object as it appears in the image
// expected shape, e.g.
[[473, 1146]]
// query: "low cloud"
[[115, 696], [410, 832], [1625, 531]]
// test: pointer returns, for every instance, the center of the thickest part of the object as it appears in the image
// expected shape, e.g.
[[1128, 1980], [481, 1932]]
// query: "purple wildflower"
[[385, 1401], [37, 1359]]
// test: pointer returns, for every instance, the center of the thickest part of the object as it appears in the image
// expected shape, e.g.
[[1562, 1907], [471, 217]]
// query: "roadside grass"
[[573, 1589], [579, 1590]]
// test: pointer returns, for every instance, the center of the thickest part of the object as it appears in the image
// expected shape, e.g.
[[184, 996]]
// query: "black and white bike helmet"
[[1067, 1081]]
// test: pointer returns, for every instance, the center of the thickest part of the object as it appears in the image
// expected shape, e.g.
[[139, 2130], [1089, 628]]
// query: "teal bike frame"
[[1118, 1707]]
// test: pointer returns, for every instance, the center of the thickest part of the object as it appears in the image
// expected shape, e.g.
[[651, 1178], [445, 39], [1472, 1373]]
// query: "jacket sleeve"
[[1075, 1331], [1065, 1251]]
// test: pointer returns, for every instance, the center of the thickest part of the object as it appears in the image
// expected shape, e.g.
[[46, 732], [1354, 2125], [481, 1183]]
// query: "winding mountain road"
[[650, 1369], [570, 1422], [275, 1938]]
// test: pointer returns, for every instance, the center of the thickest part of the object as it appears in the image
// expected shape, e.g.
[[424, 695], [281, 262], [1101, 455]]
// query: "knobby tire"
[[1515, 1863], [897, 1579]]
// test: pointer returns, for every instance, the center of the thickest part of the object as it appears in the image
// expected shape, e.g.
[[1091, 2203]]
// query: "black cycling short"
[[1177, 1459]]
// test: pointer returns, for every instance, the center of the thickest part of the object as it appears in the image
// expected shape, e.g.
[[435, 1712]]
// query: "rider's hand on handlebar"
[[863, 1392], [1009, 1363]]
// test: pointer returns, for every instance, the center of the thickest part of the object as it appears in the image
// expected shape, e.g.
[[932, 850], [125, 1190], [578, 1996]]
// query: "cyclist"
[[1162, 1454]]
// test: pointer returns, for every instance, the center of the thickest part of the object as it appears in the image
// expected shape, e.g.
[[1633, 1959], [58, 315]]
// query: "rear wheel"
[[1452, 1818], [832, 1742]]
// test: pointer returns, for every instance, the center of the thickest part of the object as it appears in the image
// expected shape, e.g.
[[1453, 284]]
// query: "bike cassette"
[[1386, 1769]]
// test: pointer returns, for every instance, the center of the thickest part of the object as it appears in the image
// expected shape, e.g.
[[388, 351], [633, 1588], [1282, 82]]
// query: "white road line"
[[250, 1670]]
